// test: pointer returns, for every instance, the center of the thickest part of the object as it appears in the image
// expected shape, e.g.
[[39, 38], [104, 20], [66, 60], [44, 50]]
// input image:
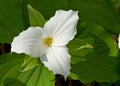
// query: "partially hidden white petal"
[[119, 41], [62, 27], [57, 60], [29, 42]]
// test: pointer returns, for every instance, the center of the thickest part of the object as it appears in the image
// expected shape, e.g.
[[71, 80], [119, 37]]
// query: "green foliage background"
[[94, 50]]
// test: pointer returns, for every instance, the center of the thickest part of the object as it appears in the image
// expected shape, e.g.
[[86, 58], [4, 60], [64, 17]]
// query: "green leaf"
[[13, 82], [101, 12], [43, 75], [101, 40], [98, 63], [78, 47], [12, 19], [38, 76], [96, 68], [36, 18], [29, 63], [11, 75], [8, 61], [77, 44], [46, 7]]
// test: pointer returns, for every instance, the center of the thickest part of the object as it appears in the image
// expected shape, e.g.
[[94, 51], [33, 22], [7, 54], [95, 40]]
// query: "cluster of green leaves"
[[94, 50], [12, 75]]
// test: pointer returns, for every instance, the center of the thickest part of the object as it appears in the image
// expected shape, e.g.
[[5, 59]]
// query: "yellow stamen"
[[48, 41]]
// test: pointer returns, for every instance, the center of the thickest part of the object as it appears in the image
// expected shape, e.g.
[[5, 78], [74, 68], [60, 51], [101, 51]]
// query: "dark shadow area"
[[4, 48]]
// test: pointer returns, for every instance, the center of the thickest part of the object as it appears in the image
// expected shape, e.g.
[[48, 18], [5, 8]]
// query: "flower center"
[[48, 41]]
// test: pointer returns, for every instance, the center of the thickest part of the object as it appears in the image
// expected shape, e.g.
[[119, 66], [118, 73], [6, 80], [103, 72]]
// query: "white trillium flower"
[[49, 43], [119, 41]]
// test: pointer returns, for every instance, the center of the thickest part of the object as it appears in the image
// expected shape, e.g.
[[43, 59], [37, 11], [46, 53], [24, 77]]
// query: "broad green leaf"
[[98, 63], [13, 82], [101, 12], [12, 76], [36, 18], [48, 8], [8, 61], [96, 68], [13, 19], [78, 46], [29, 63], [102, 41], [39, 76]]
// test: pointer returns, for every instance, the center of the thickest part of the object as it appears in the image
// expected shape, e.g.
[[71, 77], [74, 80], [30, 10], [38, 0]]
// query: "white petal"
[[58, 60], [62, 27], [29, 42], [119, 41]]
